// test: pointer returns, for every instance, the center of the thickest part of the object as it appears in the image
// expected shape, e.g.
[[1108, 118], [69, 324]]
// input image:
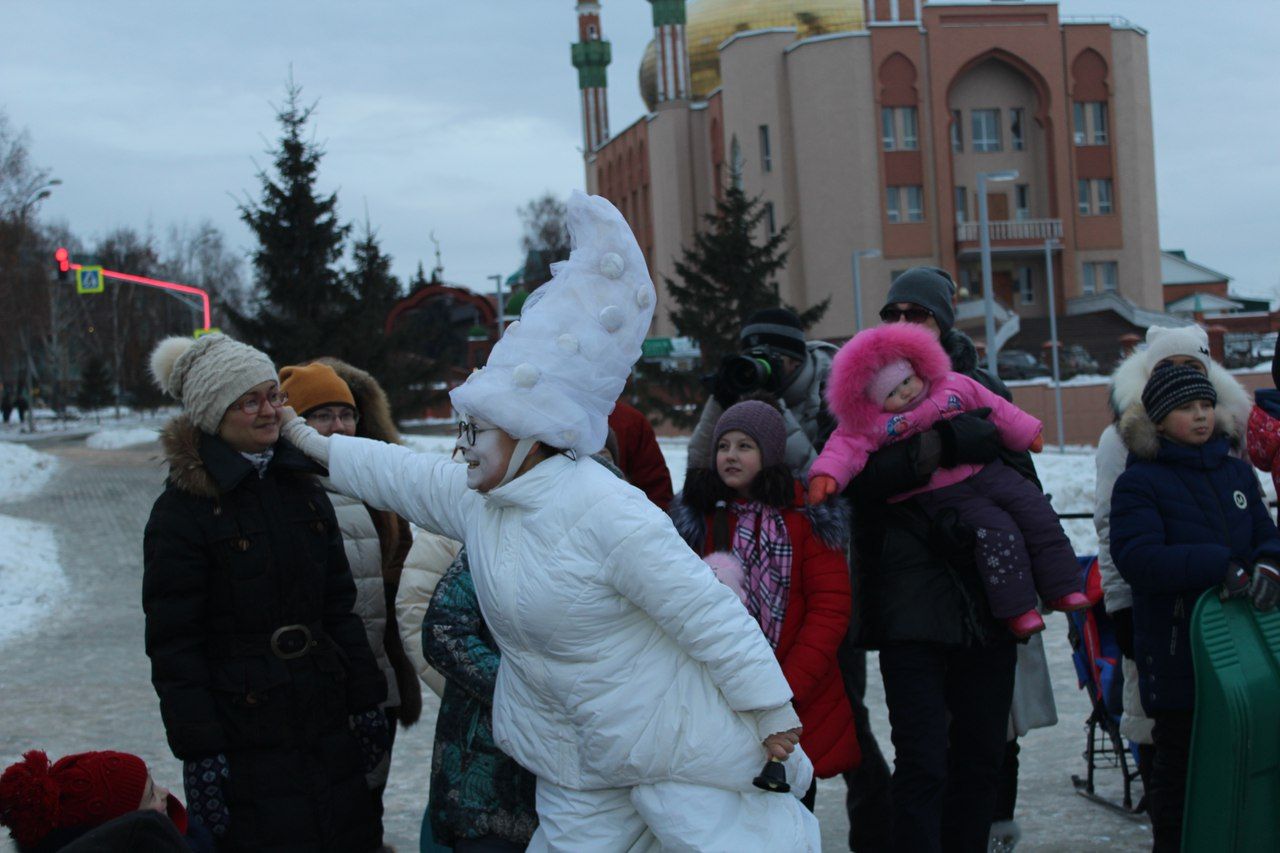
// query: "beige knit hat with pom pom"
[[208, 374]]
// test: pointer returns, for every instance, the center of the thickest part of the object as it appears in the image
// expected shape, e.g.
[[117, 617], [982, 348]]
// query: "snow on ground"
[[114, 439], [23, 471], [31, 578]]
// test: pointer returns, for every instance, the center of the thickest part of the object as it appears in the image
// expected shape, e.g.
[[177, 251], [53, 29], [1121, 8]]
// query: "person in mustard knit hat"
[[336, 398]]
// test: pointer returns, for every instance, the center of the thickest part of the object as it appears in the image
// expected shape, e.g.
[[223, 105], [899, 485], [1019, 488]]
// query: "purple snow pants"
[[1021, 549]]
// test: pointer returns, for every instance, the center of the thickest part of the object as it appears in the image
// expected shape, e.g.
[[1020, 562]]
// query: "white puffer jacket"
[[364, 554], [624, 661], [428, 560]]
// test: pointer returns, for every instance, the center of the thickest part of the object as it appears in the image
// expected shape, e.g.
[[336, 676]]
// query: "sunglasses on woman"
[[914, 314]]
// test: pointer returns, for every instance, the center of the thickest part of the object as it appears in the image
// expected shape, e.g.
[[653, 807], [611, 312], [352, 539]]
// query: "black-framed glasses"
[[468, 430], [914, 314], [276, 399]]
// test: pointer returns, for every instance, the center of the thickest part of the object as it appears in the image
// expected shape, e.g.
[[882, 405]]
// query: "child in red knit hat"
[[47, 807]]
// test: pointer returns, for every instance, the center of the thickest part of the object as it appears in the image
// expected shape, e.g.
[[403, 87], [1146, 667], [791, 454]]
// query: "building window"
[[910, 128], [1098, 120], [771, 221], [915, 203], [1102, 189], [1094, 197], [957, 131], [735, 162], [962, 205], [1021, 202], [1100, 277], [1090, 122], [899, 128], [1016, 139], [986, 130], [892, 210], [1022, 284], [766, 153]]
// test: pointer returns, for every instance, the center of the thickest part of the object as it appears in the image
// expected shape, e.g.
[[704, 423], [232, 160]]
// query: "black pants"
[[949, 711], [1007, 792], [1167, 798], [867, 798]]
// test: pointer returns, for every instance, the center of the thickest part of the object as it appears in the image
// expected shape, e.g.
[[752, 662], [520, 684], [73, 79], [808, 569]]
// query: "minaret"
[[591, 57], [673, 51]]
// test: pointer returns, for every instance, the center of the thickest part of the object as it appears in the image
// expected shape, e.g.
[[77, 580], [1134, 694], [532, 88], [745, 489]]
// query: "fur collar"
[[205, 466], [1142, 438], [960, 349], [376, 421], [829, 520]]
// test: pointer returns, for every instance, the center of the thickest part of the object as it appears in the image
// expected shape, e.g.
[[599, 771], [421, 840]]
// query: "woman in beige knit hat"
[[268, 690]]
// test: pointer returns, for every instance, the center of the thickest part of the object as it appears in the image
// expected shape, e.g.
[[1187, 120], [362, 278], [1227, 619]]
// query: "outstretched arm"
[[426, 488]]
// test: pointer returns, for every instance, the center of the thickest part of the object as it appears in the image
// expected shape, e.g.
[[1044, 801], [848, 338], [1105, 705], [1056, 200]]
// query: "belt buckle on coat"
[[280, 642]]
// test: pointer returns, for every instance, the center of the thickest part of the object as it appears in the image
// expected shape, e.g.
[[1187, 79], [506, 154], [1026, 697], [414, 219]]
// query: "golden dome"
[[710, 22]]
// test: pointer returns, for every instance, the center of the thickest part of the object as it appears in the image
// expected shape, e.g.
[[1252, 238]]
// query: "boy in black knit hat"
[[1186, 517]]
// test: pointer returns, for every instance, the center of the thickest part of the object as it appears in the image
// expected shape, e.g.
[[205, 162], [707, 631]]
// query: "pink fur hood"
[[858, 361]]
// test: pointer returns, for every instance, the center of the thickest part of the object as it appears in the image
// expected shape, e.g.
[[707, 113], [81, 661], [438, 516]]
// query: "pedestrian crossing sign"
[[89, 280]]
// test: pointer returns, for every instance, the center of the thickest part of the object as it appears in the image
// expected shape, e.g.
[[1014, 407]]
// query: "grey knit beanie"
[[208, 374], [928, 287], [1174, 386], [760, 421]]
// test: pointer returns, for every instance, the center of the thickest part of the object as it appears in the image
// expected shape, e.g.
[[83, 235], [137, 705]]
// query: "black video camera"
[[757, 369]]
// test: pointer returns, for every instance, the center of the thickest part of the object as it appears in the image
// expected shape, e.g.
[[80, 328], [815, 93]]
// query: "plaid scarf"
[[763, 545]]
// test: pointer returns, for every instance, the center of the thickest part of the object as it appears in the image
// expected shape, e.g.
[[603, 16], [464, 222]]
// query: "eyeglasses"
[[914, 314], [468, 430], [324, 417], [276, 399]]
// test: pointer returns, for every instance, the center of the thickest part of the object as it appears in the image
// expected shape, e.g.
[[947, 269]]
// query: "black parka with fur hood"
[[229, 559]]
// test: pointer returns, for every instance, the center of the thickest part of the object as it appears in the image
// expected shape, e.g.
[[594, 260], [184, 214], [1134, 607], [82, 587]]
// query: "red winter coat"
[[639, 456], [817, 617], [1264, 433]]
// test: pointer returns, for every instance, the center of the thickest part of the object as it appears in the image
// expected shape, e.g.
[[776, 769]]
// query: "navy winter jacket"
[[1179, 516]]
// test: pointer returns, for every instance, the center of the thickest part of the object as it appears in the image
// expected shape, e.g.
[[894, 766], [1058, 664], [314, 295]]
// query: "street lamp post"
[[858, 255], [984, 246], [502, 310], [1049, 245]]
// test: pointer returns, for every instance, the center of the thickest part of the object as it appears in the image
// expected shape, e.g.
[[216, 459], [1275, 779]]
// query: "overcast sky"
[[447, 116]]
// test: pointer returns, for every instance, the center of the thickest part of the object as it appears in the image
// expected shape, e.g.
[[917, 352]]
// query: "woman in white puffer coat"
[[632, 683]]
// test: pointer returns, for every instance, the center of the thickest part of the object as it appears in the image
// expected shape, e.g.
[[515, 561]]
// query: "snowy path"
[[79, 679]]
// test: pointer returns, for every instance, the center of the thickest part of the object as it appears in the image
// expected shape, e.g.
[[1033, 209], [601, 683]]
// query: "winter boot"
[[1070, 602], [1005, 835], [1025, 624]]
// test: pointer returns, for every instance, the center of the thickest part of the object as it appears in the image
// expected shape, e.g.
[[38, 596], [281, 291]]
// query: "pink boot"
[[1025, 624], [1071, 601]]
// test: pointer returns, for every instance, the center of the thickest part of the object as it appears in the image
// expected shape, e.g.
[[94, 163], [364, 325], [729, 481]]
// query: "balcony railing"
[[1012, 229]]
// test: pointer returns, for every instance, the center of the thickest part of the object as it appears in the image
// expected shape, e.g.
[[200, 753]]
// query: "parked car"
[[1019, 364], [1073, 360]]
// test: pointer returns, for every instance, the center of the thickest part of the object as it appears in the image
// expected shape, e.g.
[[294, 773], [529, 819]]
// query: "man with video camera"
[[775, 358]]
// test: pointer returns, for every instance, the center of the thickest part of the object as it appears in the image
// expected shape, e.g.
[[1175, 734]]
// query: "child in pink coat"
[[891, 382]]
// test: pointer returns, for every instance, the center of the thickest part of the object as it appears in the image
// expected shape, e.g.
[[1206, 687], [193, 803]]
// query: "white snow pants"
[[671, 816]]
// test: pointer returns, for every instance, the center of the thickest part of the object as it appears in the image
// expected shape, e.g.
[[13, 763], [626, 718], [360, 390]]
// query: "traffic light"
[[63, 257]]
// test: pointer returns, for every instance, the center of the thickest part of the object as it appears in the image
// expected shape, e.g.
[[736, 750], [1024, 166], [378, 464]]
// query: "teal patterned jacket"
[[477, 790]]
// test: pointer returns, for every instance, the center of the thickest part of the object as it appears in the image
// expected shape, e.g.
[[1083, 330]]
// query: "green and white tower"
[[673, 50], [591, 56]]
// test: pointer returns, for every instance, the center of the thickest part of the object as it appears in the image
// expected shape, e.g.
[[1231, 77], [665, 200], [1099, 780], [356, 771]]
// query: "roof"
[[1203, 302], [1176, 269]]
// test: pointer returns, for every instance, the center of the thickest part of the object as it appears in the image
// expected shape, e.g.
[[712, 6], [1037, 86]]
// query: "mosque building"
[[865, 126]]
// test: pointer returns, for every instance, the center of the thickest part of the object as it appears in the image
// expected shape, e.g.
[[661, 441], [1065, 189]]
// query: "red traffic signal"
[[63, 257]]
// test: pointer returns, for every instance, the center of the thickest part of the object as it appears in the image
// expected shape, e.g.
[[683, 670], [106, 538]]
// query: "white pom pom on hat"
[[163, 359]]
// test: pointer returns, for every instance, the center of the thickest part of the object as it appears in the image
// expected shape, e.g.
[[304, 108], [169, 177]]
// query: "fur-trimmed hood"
[[830, 521], [865, 354], [376, 421], [205, 466], [1141, 437], [1232, 408]]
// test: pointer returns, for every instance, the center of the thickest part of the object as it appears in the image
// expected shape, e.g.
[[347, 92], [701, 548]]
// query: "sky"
[[445, 117]]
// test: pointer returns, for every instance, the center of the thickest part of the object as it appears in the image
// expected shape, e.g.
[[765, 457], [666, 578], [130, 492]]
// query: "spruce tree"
[[724, 277], [371, 291], [299, 305], [95, 385]]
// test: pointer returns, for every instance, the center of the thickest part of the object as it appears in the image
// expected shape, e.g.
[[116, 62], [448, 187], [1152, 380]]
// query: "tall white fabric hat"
[[556, 373]]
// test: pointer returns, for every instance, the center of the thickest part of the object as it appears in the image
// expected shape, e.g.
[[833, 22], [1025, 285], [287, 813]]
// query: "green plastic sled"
[[1233, 784]]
